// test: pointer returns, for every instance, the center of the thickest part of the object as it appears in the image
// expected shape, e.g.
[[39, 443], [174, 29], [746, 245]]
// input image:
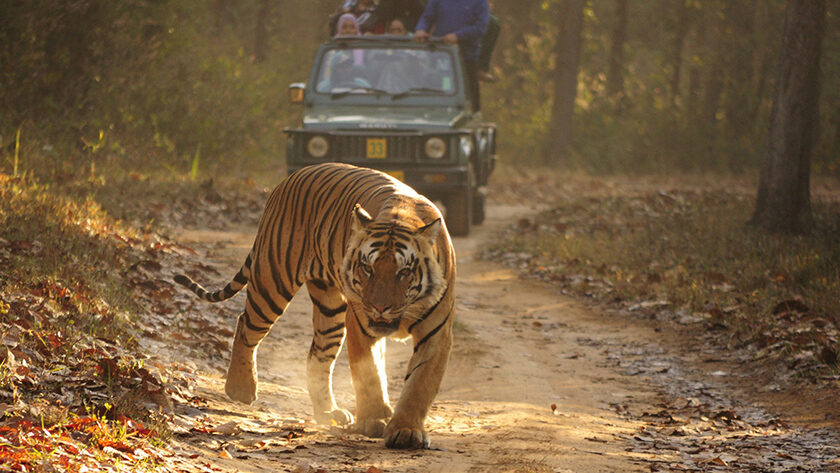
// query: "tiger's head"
[[391, 270]]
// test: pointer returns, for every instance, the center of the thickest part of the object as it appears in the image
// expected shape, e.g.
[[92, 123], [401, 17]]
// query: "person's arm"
[[477, 25], [416, 10], [427, 19]]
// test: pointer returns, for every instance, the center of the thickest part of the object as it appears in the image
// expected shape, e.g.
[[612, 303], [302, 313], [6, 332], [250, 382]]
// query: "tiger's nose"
[[381, 308]]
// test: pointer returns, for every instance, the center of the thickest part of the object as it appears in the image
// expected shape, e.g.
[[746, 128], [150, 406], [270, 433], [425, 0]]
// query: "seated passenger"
[[387, 10], [406, 70], [362, 11], [346, 68], [347, 25], [343, 74], [397, 27]]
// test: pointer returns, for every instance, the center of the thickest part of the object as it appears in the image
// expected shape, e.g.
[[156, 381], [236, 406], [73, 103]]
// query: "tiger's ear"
[[431, 230], [361, 218]]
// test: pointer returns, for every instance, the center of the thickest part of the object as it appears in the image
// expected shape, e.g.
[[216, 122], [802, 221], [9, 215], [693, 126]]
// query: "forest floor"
[[541, 378], [538, 382]]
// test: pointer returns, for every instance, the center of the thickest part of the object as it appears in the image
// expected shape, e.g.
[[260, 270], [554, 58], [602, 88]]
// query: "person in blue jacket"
[[461, 22]]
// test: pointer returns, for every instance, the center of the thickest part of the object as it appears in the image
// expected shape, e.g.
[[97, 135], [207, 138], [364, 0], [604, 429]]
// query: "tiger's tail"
[[233, 287]]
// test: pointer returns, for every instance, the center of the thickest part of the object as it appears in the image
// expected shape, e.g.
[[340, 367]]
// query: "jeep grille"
[[354, 147]]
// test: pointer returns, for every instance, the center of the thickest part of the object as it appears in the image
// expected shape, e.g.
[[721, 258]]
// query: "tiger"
[[378, 262]]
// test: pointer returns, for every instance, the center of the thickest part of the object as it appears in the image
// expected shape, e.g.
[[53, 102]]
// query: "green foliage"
[[135, 85], [195, 161], [698, 86], [17, 153], [146, 84]]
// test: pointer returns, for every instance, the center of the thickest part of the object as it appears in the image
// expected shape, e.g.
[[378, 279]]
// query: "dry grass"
[[71, 382], [65, 249], [683, 248]]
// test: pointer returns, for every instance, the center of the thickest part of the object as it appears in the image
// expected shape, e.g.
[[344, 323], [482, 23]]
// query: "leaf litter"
[[87, 402], [695, 428], [78, 389]]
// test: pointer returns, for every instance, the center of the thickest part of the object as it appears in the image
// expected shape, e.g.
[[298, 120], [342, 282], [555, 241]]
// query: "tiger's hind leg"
[[328, 313], [252, 326]]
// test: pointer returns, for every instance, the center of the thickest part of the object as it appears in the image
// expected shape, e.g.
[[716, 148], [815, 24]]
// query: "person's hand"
[[421, 35], [450, 38]]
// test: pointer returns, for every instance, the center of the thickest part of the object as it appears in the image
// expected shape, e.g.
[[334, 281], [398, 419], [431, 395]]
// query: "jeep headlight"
[[466, 146], [435, 148], [317, 146]]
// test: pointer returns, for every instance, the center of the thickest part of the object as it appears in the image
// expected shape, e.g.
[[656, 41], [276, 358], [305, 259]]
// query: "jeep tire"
[[478, 213], [459, 209]]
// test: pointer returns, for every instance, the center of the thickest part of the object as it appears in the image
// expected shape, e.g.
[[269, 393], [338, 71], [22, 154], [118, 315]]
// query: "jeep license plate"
[[377, 148]]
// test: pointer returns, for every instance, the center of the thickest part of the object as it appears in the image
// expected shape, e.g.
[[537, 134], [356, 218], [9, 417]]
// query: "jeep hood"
[[383, 118]]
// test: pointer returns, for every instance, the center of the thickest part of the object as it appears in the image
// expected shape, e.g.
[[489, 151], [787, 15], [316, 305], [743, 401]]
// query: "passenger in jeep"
[[397, 27], [347, 25], [388, 10], [461, 22]]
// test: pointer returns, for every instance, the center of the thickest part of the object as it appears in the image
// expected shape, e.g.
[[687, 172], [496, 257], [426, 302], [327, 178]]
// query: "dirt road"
[[537, 382]]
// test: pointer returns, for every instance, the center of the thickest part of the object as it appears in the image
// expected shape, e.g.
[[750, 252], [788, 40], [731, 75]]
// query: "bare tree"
[[784, 202], [615, 75], [566, 64], [682, 27], [221, 15], [260, 31]]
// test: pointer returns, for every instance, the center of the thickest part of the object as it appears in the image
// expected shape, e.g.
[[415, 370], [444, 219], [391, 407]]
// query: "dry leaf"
[[718, 461], [228, 428]]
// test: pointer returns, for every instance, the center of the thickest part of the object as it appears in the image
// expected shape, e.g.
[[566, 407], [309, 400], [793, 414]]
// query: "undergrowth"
[[73, 386], [690, 254], [64, 245]]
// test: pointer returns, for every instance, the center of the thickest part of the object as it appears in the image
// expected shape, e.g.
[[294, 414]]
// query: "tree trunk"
[[740, 72], [566, 64], [615, 75], [259, 31], [835, 147], [713, 68], [676, 53], [221, 16], [695, 71], [784, 203]]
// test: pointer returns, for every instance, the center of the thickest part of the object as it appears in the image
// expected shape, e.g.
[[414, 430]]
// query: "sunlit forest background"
[[185, 85]]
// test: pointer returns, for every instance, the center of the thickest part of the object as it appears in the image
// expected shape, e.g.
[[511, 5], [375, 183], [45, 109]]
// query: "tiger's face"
[[391, 271]]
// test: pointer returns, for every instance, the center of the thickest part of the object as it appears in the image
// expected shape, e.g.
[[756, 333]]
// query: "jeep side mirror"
[[296, 91]]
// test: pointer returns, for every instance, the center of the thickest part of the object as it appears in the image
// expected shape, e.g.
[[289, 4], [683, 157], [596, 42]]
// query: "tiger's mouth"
[[383, 325]]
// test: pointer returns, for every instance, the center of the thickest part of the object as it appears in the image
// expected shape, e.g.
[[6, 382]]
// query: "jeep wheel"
[[459, 213], [478, 214]]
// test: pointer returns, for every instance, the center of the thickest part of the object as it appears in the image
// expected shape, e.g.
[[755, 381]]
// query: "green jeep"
[[402, 107]]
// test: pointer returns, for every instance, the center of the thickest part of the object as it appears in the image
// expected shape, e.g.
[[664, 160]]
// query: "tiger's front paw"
[[241, 387], [334, 417], [370, 427], [241, 382], [406, 437]]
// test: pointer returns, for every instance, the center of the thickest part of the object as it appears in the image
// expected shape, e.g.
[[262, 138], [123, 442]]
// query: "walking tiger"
[[377, 261]]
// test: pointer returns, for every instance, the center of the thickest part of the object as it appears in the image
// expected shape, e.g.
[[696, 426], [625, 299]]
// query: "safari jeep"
[[401, 107]]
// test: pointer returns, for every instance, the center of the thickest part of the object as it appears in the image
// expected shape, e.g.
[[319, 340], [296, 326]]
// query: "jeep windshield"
[[394, 71]]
